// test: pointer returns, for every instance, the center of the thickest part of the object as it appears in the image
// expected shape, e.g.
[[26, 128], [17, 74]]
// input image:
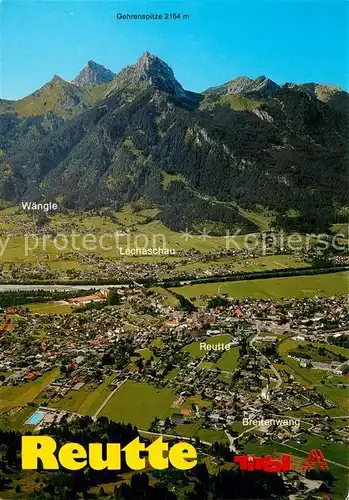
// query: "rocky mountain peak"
[[264, 84], [93, 74], [243, 85], [152, 70], [55, 82], [56, 79]]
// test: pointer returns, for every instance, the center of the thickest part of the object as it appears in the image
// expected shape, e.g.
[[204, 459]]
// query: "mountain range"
[[202, 159]]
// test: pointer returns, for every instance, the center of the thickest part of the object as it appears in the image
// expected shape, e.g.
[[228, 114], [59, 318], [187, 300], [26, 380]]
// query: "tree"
[[215, 447], [218, 302], [140, 482], [63, 369], [42, 219], [113, 298], [322, 351], [3, 481], [124, 492], [139, 363], [201, 473], [107, 359]]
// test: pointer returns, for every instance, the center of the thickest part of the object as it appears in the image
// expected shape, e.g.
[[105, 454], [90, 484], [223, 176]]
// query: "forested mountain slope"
[[196, 156]]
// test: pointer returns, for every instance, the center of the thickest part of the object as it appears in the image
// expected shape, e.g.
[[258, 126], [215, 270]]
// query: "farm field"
[[154, 233], [239, 427], [270, 448], [24, 393], [139, 403], [145, 230], [208, 435], [15, 253], [256, 264], [293, 286], [48, 308], [314, 377], [312, 409], [84, 401]]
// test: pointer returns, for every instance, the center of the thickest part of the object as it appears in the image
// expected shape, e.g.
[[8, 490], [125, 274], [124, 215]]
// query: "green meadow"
[[26, 392], [229, 360], [256, 264], [290, 345], [278, 288], [196, 430], [125, 228], [194, 348], [139, 403], [48, 308], [85, 401], [337, 452]]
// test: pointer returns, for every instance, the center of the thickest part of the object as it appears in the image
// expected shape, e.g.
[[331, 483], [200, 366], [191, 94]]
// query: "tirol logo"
[[267, 464], [315, 460]]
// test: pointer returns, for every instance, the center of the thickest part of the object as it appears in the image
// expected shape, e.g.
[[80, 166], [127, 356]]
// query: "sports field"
[[293, 286], [139, 403]]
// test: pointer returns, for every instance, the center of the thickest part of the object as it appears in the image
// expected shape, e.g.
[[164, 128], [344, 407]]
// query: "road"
[[173, 436], [56, 287], [277, 374]]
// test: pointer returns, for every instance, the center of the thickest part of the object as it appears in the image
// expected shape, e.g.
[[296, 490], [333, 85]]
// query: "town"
[[230, 372]]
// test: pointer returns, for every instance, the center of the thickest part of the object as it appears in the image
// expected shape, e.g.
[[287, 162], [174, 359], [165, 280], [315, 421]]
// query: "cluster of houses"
[[79, 345]]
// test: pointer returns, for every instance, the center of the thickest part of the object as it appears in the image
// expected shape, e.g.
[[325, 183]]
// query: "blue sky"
[[287, 40]]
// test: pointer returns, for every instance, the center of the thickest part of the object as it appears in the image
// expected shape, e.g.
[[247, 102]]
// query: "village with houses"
[[239, 350], [251, 374]]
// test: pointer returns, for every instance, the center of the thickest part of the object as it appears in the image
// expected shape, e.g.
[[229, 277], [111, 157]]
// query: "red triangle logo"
[[315, 460]]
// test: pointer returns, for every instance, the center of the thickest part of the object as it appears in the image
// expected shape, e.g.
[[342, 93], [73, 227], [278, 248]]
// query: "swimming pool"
[[36, 417]]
